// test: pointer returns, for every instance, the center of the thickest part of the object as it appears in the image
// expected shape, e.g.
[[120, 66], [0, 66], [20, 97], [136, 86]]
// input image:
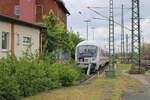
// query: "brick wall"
[[33, 10], [28, 10], [7, 7], [46, 6]]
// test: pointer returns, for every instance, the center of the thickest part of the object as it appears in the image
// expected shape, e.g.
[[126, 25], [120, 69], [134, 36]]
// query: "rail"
[[93, 76]]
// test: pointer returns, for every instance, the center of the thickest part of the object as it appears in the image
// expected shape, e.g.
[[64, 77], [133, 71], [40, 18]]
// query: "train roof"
[[88, 43]]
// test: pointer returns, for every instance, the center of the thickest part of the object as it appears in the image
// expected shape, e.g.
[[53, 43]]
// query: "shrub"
[[68, 75], [35, 77], [9, 89], [30, 75]]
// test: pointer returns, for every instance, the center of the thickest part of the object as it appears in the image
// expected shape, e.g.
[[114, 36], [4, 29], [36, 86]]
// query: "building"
[[17, 36], [34, 10]]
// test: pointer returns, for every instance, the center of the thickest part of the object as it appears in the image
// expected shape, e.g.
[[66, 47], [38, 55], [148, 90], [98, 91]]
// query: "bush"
[[9, 89], [68, 75], [30, 75]]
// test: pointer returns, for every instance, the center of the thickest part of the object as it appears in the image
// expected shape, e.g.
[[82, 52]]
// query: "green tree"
[[57, 37], [74, 40]]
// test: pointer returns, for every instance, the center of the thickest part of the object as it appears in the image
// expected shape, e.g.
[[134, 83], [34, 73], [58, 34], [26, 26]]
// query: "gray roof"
[[62, 4], [21, 22]]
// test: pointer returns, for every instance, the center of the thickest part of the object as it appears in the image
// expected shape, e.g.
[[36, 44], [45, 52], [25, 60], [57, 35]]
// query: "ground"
[[139, 92], [101, 88]]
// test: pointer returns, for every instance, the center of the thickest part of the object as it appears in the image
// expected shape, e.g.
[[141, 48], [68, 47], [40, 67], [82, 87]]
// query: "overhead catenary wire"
[[108, 8], [78, 11], [107, 18]]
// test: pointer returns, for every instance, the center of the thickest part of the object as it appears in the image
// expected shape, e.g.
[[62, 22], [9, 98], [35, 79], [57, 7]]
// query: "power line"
[[106, 18], [78, 11], [108, 8]]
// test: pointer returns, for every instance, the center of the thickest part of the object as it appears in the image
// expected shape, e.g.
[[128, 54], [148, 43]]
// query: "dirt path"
[[141, 78], [143, 92], [107, 92]]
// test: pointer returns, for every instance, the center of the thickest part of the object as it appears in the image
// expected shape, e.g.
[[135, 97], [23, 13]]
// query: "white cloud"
[[146, 30]]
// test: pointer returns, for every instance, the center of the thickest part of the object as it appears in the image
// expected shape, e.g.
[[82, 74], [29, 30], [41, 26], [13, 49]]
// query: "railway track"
[[93, 76]]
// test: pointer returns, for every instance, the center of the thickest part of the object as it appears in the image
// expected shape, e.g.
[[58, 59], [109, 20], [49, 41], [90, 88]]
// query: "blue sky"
[[76, 20]]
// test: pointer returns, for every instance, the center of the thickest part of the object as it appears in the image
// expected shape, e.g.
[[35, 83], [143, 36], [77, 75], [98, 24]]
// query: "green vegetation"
[[56, 37], [100, 89], [30, 75]]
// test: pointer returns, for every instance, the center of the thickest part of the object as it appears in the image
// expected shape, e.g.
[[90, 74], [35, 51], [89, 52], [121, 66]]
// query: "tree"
[[74, 40], [57, 37]]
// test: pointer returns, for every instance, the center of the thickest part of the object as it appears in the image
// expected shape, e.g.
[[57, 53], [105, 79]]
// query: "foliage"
[[68, 75], [9, 88], [57, 37], [31, 74], [74, 40]]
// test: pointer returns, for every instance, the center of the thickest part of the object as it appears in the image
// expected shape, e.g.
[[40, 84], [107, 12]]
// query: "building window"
[[26, 40], [39, 10], [18, 39], [4, 40], [17, 10]]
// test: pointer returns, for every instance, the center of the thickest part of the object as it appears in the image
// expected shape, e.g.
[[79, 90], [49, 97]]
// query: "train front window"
[[87, 51]]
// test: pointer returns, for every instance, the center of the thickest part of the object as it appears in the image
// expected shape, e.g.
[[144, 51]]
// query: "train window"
[[87, 51]]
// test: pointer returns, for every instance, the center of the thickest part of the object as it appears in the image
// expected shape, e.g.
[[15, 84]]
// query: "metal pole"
[[122, 32], [93, 32], [127, 48], [87, 33], [143, 47], [127, 44]]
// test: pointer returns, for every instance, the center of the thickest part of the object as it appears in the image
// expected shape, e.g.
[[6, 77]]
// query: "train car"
[[90, 56]]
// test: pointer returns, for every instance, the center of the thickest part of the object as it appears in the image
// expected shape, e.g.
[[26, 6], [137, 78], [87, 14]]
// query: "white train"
[[91, 56]]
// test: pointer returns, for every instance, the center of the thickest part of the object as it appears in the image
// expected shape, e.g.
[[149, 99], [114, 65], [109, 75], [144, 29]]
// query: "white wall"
[[27, 32]]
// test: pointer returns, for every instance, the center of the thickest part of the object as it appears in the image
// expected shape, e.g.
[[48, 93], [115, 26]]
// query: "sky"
[[80, 12]]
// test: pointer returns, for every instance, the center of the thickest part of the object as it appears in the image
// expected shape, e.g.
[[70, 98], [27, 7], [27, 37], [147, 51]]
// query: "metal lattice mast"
[[136, 37], [122, 33], [111, 35]]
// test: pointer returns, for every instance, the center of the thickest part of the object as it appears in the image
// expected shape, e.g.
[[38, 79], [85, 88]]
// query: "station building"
[[34, 10], [16, 36]]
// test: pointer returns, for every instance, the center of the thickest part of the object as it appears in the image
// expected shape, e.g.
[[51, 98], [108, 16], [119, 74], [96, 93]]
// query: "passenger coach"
[[90, 56]]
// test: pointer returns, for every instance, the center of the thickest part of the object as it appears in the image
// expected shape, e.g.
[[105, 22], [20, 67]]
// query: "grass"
[[99, 89], [146, 61], [122, 67]]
